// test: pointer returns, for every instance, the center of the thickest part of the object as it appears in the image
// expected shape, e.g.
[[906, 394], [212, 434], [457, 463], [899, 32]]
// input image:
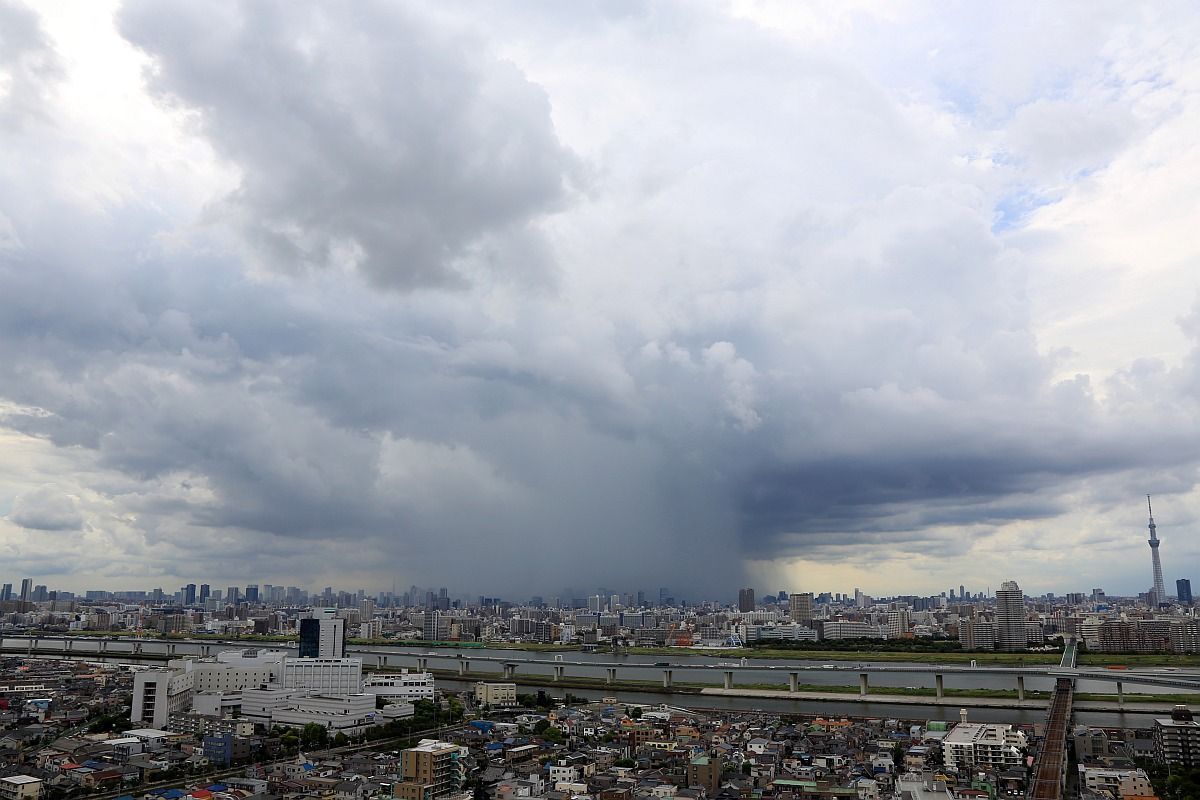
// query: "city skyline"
[[509, 295]]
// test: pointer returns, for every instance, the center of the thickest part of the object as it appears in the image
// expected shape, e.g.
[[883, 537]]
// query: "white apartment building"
[[972, 744], [349, 714], [1116, 782], [404, 686], [328, 676]]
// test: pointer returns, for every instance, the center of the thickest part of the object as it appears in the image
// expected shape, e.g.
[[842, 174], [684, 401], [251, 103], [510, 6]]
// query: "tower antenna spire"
[[1159, 591]]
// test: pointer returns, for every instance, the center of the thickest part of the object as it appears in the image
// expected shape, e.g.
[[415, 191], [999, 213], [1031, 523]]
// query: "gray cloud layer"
[[364, 135], [780, 323]]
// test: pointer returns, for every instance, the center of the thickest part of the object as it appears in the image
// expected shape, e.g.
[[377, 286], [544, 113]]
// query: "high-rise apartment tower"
[[1010, 617]]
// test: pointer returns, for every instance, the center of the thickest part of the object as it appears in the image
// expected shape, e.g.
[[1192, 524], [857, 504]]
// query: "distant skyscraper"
[[6, 593], [252, 593], [800, 607], [26, 589], [323, 635], [231, 595], [205, 592], [745, 599], [189, 594], [1183, 590], [1010, 617], [1159, 590]]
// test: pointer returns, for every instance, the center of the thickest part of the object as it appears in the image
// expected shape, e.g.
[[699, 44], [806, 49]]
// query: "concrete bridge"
[[559, 668]]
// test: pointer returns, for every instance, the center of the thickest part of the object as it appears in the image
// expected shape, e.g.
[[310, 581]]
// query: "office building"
[[496, 694], [5, 593], [205, 592], [800, 607], [1183, 591], [1177, 740], [405, 686], [1010, 617], [26, 589], [745, 599], [322, 635], [334, 677], [189, 594]]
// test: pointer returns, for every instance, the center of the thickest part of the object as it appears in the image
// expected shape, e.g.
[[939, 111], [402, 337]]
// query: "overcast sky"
[[508, 297]]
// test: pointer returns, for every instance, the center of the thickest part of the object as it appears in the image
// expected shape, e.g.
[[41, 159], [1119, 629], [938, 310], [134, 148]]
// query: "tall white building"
[[322, 635]]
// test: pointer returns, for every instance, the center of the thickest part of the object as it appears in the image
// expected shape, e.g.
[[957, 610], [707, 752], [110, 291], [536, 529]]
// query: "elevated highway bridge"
[[559, 666]]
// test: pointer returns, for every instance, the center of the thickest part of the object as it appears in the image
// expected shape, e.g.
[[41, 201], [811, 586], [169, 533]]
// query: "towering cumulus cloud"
[[363, 134], [509, 298]]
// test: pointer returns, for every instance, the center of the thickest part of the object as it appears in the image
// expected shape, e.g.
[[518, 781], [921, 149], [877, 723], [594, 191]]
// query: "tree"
[[540, 726], [314, 735], [635, 712], [340, 739]]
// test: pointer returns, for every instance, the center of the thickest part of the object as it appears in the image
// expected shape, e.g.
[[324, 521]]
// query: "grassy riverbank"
[[858, 656]]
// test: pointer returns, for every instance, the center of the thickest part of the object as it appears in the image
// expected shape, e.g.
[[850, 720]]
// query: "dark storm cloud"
[[364, 136], [776, 331]]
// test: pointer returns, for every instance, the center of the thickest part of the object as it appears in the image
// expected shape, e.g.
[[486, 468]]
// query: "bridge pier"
[[170, 649], [559, 672], [70, 645], [793, 681], [1020, 688], [137, 647], [862, 684], [422, 664], [939, 685], [610, 675], [510, 670], [382, 661], [728, 679], [103, 646], [463, 667], [668, 676], [206, 650], [1120, 694]]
